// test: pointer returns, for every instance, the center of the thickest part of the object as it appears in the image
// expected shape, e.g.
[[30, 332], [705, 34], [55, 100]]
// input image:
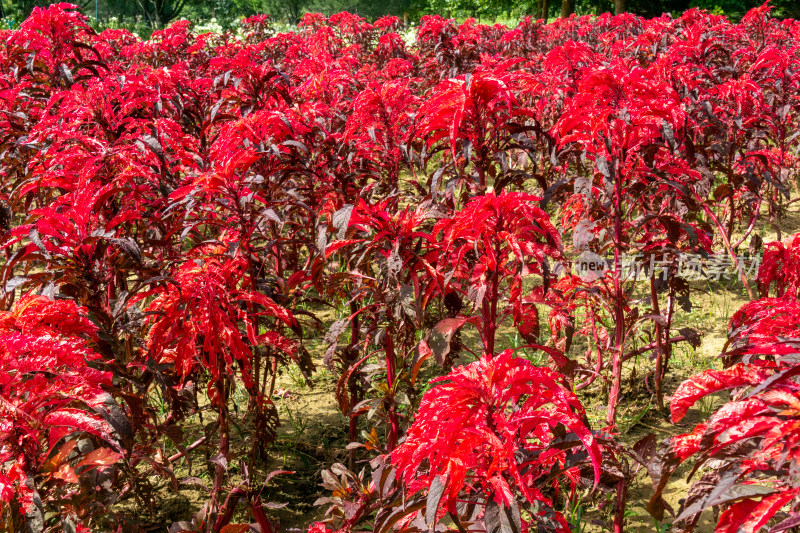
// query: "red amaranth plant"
[[204, 321], [184, 191], [55, 438], [487, 438], [753, 438], [470, 122], [391, 258], [487, 249]]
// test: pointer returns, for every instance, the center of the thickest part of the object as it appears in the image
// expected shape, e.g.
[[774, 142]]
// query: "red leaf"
[[100, 457], [712, 381], [748, 516], [76, 419]]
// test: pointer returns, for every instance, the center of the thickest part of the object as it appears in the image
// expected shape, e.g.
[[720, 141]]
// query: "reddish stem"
[[726, 240], [753, 219], [226, 512], [261, 518], [490, 305], [619, 514], [659, 376], [224, 430], [599, 363], [189, 448], [394, 422], [355, 396], [619, 311]]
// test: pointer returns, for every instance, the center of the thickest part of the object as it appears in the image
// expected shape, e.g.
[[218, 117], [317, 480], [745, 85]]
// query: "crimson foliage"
[[752, 439], [176, 215], [508, 432]]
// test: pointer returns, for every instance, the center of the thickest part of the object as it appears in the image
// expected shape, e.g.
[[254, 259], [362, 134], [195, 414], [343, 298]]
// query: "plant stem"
[[726, 240], [619, 514], [658, 376], [394, 422], [619, 309]]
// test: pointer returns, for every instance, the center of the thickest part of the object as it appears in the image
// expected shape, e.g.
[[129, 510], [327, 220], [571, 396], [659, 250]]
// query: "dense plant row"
[[177, 212]]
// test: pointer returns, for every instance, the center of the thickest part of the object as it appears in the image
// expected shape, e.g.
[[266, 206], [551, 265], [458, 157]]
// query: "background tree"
[[20, 9], [160, 12], [289, 10]]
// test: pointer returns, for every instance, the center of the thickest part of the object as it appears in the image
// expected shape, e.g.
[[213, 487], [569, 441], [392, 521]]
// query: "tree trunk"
[[619, 7], [567, 7], [544, 7]]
